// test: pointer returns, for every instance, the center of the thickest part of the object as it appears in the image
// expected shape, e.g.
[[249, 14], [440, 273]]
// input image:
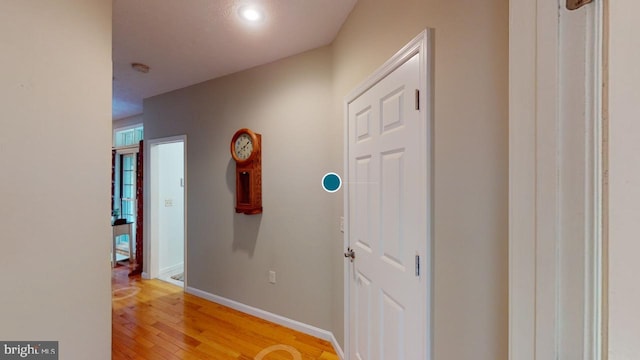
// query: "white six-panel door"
[[388, 221]]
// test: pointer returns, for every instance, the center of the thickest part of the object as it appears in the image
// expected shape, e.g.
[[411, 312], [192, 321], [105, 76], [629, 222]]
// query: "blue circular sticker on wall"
[[331, 182]]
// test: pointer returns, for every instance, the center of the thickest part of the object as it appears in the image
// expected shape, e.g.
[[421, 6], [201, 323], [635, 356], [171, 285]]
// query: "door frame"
[[422, 45], [543, 35], [151, 251]]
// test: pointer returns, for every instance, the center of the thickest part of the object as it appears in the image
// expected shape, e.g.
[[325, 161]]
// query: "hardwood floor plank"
[[153, 319], [178, 334], [329, 356]]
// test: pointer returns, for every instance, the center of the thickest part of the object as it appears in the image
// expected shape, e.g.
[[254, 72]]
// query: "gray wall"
[[55, 140], [297, 105], [230, 254]]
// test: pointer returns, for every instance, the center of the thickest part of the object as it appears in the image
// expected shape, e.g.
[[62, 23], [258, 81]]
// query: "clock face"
[[243, 146]]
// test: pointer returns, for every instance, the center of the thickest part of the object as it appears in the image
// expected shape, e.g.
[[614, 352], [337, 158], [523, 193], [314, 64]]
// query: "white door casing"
[[151, 268], [388, 207], [555, 181]]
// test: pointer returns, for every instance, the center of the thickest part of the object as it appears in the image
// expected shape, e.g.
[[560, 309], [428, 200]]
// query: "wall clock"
[[246, 150]]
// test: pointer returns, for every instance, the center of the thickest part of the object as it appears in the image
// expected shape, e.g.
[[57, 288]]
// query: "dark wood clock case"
[[249, 176]]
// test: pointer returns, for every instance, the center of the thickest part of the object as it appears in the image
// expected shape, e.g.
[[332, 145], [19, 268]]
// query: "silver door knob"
[[350, 254]]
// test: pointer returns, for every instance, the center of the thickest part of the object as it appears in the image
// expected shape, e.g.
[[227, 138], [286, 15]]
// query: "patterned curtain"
[[137, 268]]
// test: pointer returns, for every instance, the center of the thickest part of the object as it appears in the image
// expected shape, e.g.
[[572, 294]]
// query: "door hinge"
[[417, 265], [577, 4], [417, 99]]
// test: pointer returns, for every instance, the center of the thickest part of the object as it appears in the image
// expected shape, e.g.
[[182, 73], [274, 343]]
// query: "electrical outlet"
[[168, 202], [272, 276]]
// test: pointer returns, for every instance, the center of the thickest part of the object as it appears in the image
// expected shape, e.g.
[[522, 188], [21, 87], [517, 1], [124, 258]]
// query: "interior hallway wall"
[[229, 254], [471, 155], [128, 121], [55, 141]]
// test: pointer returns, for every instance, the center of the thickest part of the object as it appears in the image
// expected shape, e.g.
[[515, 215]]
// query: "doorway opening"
[[165, 210]]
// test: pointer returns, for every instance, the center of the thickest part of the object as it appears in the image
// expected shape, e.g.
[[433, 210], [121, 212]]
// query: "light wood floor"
[[153, 319]]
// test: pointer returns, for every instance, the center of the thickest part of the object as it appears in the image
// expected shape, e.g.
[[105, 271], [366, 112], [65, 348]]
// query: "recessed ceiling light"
[[251, 14]]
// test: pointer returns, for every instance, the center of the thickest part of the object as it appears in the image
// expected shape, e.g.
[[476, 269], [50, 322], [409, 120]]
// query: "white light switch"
[[272, 276], [341, 223]]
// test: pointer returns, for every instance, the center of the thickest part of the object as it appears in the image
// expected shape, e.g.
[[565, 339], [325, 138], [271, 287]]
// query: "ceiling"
[[189, 41]]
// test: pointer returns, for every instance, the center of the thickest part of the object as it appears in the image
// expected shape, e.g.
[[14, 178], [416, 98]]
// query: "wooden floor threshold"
[[153, 319]]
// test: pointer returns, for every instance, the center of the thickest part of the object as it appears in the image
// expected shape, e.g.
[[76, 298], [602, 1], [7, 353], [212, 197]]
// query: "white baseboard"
[[274, 318], [336, 346], [172, 281], [172, 270]]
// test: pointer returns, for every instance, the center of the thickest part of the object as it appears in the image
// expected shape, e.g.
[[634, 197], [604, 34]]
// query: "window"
[[128, 136], [126, 141], [128, 187], [125, 195]]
